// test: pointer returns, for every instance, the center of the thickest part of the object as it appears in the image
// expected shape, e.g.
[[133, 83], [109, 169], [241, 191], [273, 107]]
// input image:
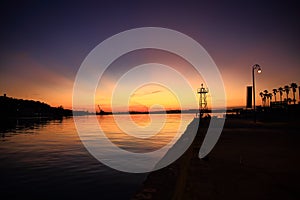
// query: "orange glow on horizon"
[[38, 82]]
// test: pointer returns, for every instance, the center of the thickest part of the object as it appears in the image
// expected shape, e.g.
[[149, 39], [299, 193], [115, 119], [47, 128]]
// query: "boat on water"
[[102, 112]]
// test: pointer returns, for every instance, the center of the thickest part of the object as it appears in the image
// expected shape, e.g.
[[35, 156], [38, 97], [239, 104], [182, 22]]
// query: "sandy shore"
[[250, 161]]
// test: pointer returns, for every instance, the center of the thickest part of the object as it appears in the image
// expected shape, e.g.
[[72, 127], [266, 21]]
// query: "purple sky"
[[43, 44]]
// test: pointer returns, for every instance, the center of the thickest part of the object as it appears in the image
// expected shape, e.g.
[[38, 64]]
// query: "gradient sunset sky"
[[44, 44]]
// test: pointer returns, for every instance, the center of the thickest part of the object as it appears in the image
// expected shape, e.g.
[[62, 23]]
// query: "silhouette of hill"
[[20, 108]]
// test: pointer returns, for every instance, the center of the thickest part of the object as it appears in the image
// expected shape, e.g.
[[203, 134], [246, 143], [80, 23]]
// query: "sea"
[[46, 159]]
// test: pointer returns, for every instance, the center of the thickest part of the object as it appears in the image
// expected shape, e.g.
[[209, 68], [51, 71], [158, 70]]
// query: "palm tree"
[[266, 92], [280, 93], [287, 91], [274, 92], [265, 100], [269, 96], [294, 87], [261, 94]]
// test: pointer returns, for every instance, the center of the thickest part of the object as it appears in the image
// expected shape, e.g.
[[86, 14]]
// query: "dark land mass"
[[22, 114], [250, 161], [12, 108]]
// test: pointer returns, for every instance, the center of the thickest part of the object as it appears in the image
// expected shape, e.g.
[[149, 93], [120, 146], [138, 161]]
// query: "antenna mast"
[[202, 100]]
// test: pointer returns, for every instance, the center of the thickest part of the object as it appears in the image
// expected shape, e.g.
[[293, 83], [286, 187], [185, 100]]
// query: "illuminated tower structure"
[[202, 100]]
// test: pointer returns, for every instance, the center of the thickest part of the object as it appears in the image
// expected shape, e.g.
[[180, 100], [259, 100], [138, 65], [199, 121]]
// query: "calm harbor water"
[[46, 160]]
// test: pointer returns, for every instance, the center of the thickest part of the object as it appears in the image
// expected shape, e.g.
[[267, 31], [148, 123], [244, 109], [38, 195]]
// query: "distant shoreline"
[[12, 108]]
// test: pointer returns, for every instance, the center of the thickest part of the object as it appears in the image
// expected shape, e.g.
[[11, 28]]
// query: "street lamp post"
[[258, 68]]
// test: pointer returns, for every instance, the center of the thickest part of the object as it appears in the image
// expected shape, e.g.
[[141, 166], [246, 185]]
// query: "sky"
[[43, 45]]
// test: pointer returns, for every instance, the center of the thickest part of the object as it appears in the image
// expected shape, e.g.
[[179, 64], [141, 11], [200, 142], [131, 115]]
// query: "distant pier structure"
[[202, 100]]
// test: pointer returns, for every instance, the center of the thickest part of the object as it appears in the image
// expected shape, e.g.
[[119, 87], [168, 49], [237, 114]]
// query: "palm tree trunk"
[[281, 98]]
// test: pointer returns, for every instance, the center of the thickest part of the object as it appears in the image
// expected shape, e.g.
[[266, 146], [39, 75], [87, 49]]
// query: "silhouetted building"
[[249, 97]]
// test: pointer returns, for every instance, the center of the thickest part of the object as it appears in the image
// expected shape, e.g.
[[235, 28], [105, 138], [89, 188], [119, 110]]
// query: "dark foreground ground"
[[250, 161]]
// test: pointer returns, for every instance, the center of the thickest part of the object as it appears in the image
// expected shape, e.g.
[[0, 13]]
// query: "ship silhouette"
[[102, 112]]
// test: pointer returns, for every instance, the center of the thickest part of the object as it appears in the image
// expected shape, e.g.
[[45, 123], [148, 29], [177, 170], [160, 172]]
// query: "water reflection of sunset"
[[174, 123]]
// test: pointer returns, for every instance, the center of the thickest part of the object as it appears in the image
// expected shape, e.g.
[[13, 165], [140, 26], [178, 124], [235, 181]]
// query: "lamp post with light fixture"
[[258, 68]]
